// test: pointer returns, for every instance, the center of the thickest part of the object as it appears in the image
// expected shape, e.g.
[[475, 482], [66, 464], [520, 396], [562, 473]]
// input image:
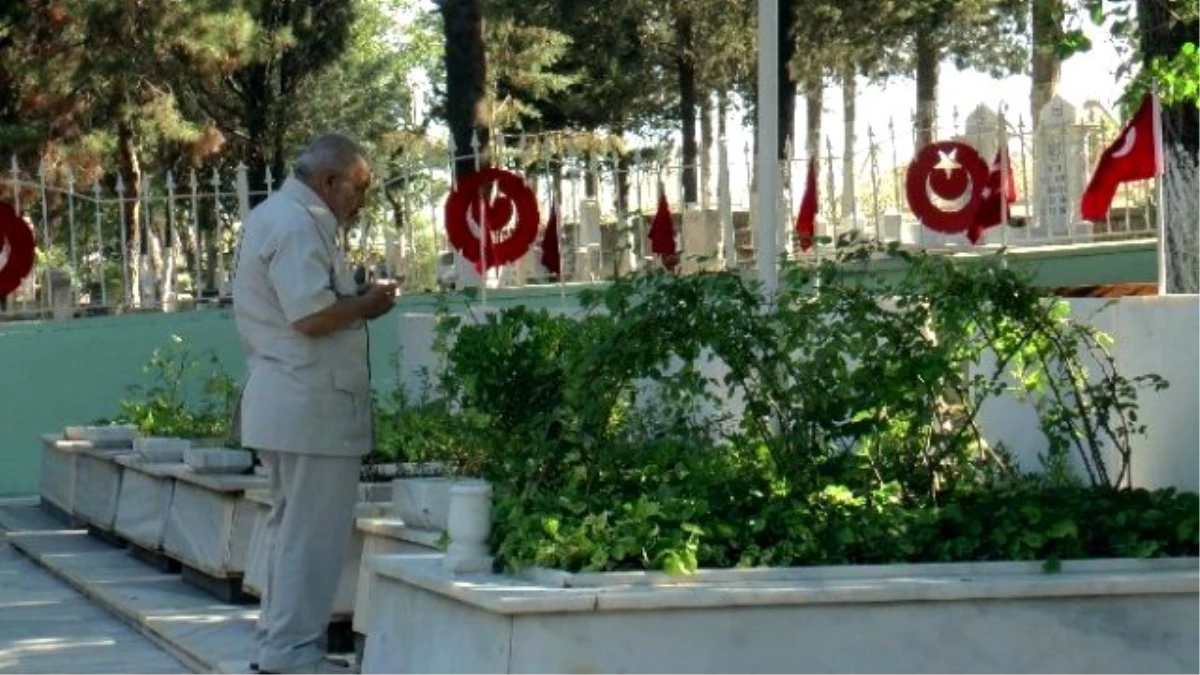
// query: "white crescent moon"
[[1127, 145], [951, 205], [477, 227]]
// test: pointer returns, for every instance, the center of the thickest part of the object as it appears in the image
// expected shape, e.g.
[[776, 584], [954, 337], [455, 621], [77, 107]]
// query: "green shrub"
[[856, 439]]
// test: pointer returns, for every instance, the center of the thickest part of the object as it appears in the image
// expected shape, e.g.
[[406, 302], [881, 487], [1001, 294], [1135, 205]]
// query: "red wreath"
[[17, 239], [469, 204], [954, 173]]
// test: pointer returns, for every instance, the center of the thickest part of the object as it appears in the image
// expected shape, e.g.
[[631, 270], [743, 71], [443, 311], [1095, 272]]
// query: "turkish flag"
[[662, 232], [551, 258], [996, 201], [1135, 155], [806, 219]]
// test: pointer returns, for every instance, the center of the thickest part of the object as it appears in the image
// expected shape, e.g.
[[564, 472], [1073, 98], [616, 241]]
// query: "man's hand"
[[379, 299], [372, 303]]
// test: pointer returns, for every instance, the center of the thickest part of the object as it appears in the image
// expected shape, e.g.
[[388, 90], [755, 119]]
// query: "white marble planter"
[[97, 486], [61, 476], [58, 471], [209, 522], [385, 537], [371, 504], [1094, 616], [147, 490], [422, 503]]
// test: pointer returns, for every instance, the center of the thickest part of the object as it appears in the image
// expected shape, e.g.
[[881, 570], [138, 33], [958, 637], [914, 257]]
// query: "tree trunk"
[[787, 80], [156, 254], [814, 102], [131, 207], [928, 56], [849, 96], [706, 147], [722, 113], [621, 182], [688, 98], [1047, 67], [289, 80], [210, 227], [1162, 36], [257, 110], [397, 199], [466, 69]]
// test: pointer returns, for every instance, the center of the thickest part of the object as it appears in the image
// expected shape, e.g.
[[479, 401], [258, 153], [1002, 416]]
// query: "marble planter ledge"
[[1093, 616], [552, 591]]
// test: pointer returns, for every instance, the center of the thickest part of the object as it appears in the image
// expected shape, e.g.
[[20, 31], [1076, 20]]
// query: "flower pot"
[[469, 524]]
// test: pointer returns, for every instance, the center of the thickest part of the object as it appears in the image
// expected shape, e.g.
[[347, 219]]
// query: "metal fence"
[[104, 246]]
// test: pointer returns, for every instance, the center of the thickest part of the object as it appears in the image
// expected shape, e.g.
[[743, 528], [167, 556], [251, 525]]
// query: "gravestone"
[[588, 256], [701, 238], [1060, 169], [62, 293], [981, 131]]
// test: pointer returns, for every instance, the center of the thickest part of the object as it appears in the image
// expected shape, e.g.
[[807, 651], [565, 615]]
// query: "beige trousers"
[[308, 534]]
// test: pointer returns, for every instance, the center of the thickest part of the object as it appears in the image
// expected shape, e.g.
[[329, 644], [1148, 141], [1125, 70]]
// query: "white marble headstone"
[[589, 223], [701, 238], [982, 129], [1060, 167]]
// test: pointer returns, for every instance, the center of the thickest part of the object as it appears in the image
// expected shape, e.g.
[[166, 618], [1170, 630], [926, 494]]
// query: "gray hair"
[[328, 152]]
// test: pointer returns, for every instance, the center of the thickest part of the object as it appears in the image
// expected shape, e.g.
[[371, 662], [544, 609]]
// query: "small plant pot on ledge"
[[468, 527]]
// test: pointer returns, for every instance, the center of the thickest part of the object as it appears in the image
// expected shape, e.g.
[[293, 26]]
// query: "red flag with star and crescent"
[[1135, 155], [995, 207]]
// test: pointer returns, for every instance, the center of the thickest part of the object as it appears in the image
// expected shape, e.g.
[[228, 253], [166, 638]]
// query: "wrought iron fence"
[[105, 246]]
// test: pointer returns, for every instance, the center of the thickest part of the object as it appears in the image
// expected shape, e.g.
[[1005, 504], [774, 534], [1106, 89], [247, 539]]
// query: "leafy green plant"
[[841, 426], [184, 395], [423, 432]]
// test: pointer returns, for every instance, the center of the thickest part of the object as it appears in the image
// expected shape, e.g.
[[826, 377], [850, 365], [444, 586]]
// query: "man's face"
[[345, 192]]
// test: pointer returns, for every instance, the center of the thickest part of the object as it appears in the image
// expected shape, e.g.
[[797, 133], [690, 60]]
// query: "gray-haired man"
[[306, 405]]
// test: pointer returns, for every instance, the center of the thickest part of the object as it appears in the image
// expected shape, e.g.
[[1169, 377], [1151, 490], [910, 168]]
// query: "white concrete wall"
[[1152, 335]]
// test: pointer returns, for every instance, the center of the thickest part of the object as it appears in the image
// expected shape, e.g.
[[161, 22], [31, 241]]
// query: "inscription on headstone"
[[1060, 168]]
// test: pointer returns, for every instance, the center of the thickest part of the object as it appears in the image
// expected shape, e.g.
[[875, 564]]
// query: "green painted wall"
[[56, 373]]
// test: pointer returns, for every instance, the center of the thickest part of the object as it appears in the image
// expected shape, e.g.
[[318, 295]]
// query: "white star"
[[947, 162]]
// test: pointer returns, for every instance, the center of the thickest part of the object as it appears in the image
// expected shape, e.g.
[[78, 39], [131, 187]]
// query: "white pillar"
[[768, 144]]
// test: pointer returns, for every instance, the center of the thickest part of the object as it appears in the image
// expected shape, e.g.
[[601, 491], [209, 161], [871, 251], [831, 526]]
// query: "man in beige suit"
[[306, 405]]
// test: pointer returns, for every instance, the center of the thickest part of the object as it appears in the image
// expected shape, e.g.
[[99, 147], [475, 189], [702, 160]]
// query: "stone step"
[[206, 634]]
